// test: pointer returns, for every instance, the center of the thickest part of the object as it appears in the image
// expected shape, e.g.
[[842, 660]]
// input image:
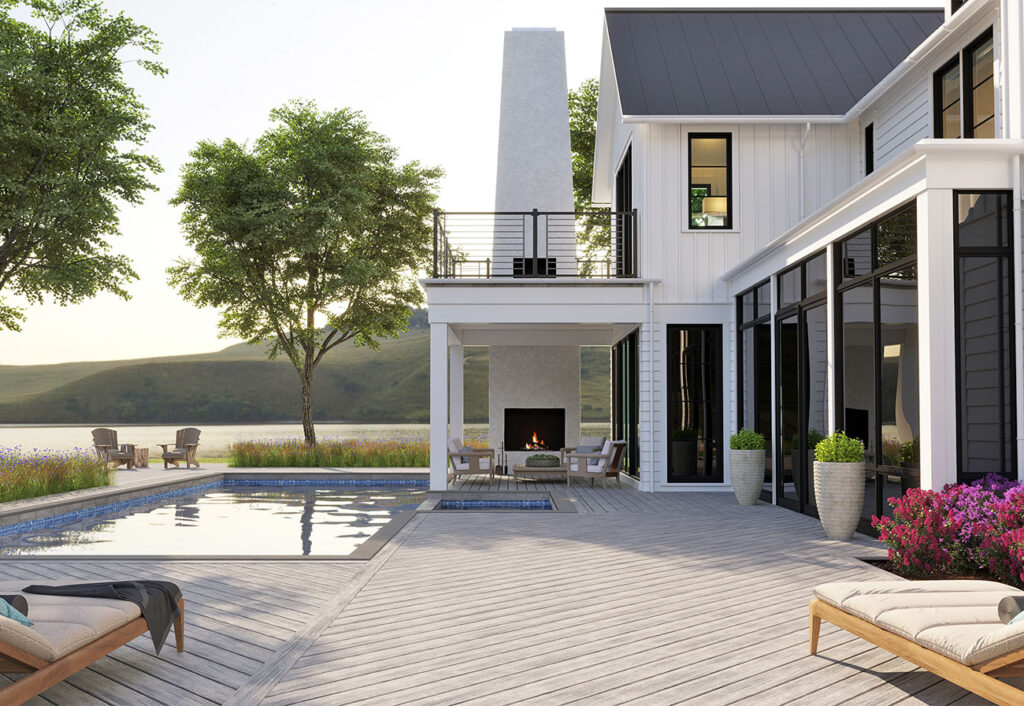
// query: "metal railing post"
[[536, 257], [636, 255], [435, 242]]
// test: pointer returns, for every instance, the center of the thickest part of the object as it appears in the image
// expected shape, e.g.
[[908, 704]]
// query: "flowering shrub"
[[349, 453], [43, 472], [960, 530]]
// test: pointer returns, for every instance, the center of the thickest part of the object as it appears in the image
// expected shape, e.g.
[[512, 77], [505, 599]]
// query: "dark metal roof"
[[786, 62]]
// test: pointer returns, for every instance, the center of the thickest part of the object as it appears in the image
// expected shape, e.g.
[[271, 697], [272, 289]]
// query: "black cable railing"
[[596, 244]]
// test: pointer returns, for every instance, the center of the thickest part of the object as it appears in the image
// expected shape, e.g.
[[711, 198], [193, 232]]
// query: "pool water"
[[227, 520]]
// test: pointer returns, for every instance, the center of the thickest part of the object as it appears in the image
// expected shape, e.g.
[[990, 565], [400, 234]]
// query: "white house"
[[815, 225]]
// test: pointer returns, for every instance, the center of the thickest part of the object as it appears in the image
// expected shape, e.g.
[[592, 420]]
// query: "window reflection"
[[858, 307], [899, 374]]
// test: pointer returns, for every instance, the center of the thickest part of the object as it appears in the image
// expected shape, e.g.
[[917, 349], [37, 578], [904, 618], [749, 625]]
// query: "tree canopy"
[[70, 132], [594, 238], [311, 237]]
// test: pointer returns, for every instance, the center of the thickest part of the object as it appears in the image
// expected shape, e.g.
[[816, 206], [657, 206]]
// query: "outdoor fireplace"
[[534, 429]]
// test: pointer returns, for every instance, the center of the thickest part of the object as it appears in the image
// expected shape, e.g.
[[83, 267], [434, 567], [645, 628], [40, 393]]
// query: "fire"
[[535, 445]]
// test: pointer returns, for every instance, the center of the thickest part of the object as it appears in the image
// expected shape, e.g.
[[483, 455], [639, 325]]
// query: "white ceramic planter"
[[746, 471], [839, 492]]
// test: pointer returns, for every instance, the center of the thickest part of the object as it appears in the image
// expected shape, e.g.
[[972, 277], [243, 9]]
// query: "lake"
[[216, 438]]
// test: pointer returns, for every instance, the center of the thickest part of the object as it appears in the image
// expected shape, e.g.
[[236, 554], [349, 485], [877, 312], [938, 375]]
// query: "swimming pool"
[[225, 518]]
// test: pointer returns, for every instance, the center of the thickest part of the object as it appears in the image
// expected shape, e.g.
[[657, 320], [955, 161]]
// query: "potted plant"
[[684, 452], [746, 465], [839, 484]]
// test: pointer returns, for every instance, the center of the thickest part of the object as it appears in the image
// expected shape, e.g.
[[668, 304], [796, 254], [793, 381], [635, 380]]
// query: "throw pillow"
[[9, 611], [589, 450], [1010, 609], [466, 449]]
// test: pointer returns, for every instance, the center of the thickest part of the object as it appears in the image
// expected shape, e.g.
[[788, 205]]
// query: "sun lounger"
[[69, 634], [950, 628]]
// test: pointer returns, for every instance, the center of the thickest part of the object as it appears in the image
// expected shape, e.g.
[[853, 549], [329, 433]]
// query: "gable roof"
[[757, 62]]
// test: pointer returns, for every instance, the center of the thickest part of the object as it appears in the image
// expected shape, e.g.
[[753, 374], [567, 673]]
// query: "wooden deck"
[[638, 598]]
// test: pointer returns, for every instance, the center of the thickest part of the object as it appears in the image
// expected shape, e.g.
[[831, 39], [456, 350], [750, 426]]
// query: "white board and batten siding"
[[765, 178]]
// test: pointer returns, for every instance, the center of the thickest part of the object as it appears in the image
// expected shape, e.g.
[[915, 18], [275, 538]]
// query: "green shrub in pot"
[[746, 465], [839, 483]]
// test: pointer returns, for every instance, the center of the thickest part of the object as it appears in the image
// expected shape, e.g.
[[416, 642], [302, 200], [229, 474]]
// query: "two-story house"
[[814, 225]]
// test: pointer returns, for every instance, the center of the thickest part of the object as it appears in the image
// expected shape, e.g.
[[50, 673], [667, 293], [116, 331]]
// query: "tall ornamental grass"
[[44, 472], [348, 453]]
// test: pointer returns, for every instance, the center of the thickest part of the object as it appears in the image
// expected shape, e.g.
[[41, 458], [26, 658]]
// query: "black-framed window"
[[623, 239], [626, 400], [955, 5], [964, 92], [877, 353], [869, 149], [710, 180], [695, 404], [754, 363], [986, 386]]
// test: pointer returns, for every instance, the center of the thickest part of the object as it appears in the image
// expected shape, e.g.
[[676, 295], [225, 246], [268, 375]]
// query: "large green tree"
[[594, 237], [311, 237], [70, 129]]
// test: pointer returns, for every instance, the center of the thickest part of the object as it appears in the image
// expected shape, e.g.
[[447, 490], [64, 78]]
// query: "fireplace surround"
[[532, 429]]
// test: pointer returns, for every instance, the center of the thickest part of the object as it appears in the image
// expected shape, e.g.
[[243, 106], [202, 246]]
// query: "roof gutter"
[[733, 119], [920, 53]]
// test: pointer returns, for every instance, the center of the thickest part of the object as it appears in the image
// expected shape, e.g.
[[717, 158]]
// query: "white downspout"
[[1018, 305], [650, 381], [800, 173]]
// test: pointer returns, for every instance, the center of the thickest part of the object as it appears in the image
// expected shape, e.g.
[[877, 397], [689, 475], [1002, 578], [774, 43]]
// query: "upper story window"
[[710, 156], [869, 149], [955, 5], [964, 93]]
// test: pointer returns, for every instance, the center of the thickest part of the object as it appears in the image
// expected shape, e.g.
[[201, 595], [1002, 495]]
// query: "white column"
[[830, 337], [937, 336], [456, 407], [438, 406], [774, 286]]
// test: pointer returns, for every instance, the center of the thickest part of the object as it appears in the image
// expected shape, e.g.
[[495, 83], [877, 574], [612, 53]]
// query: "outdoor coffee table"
[[521, 469]]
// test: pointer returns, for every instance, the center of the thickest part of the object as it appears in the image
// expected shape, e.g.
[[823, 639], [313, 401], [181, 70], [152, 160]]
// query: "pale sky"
[[426, 73]]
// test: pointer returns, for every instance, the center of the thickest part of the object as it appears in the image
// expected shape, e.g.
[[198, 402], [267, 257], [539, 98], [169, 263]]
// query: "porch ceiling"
[[540, 334]]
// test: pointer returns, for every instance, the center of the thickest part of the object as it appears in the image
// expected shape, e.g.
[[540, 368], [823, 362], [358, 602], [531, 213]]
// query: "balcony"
[[535, 245]]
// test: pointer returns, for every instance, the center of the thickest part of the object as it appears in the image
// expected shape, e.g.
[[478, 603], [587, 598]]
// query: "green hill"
[[238, 385]]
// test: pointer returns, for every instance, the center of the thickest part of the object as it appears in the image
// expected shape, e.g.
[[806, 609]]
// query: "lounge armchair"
[[607, 466], [69, 634], [950, 628], [107, 448], [186, 441], [469, 463]]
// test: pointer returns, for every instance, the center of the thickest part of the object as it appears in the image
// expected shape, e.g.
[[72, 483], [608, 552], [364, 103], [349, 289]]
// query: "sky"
[[426, 74]]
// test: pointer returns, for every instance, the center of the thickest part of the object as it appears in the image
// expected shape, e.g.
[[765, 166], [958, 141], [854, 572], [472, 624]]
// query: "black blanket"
[[158, 600]]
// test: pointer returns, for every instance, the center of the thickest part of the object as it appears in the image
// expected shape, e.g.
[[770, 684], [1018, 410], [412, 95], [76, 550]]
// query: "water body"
[[216, 438]]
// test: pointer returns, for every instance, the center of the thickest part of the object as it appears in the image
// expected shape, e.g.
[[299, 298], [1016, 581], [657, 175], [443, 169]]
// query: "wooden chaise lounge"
[[950, 628], [68, 635]]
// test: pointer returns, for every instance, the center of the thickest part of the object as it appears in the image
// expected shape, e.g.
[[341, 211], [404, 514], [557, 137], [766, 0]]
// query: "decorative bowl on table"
[[542, 461]]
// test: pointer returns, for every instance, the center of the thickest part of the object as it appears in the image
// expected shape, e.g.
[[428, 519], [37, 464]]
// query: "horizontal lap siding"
[[902, 120]]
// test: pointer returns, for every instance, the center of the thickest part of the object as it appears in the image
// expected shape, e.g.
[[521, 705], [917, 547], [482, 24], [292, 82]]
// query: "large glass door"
[[788, 357], [695, 404]]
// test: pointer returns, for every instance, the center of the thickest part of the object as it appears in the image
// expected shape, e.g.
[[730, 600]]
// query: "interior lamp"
[[715, 206]]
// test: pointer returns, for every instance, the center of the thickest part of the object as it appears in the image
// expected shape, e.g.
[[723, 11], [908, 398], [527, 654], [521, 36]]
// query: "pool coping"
[[114, 494]]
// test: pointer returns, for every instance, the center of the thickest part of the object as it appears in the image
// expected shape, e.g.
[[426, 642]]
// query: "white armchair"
[[469, 463]]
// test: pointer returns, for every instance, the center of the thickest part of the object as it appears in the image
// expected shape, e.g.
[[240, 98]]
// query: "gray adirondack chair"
[[107, 448], [186, 441]]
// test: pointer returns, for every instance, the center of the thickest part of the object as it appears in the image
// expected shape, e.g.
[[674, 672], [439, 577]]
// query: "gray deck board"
[[638, 598]]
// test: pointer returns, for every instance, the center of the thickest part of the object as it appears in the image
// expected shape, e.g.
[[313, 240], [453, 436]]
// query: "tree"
[[594, 238], [70, 127], [310, 238]]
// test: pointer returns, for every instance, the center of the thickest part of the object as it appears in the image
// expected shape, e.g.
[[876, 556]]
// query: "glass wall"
[[877, 375], [695, 404], [755, 370], [801, 345], [984, 320]]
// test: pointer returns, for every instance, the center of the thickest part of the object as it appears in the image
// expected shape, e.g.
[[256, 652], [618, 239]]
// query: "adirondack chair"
[[186, 441], [107, 448]]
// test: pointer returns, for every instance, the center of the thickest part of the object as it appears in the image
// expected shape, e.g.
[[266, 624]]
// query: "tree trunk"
[[307, 404]]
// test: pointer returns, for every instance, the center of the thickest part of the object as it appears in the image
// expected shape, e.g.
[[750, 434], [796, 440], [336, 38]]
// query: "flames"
[[536, 445]]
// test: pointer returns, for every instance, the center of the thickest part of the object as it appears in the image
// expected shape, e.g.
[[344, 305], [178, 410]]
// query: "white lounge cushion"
[[606, 451], [485, 465], [454, 446], [62, 624], [958, 619]]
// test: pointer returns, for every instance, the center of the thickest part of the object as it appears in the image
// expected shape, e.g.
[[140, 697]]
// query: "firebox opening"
[[534, 429]]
